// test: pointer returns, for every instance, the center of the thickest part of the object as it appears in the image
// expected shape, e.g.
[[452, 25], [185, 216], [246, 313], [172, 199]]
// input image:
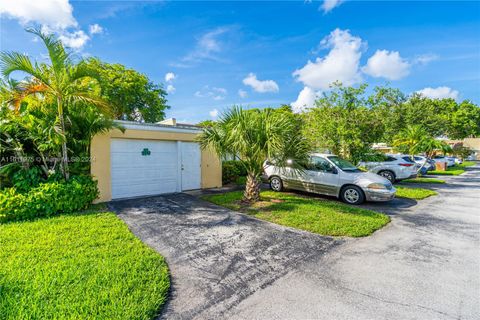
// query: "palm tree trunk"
[[66, 173], [252, 188]]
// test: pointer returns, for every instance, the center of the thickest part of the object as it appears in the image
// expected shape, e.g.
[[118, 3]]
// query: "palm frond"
[[59, 58], [14, 61]]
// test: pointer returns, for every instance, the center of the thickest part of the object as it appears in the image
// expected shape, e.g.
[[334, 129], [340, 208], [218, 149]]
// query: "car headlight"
[[377, 186]]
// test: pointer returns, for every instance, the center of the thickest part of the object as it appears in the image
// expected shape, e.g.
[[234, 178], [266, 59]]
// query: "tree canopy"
[[132, 95]]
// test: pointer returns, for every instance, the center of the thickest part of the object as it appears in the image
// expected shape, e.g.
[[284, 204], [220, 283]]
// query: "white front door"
[[190, 165]]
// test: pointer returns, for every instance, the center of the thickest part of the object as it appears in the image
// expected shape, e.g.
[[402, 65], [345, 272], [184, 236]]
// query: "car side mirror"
[[334, 170]]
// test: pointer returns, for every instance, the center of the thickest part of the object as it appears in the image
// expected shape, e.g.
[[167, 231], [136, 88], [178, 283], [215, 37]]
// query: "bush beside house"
[[47, 199], [232, 170]]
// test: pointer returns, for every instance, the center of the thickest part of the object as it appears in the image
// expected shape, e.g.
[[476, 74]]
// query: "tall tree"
[[132, 95], [56, 82], [343, 123], [255, 136]]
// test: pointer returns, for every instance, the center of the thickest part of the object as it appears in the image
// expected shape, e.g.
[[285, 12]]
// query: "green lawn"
[[453, 170], [414, 193], [315, 215], [424, 180], [82, 266]]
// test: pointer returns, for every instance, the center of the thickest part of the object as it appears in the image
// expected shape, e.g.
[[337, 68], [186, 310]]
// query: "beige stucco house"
[[150, 159]]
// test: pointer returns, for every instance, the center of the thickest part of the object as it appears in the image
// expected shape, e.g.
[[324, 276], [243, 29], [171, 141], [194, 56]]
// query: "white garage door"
[[150, 167]]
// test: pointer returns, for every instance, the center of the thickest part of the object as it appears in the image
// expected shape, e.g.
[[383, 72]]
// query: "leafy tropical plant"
[[415, 139], [57, 84], [255, 136]]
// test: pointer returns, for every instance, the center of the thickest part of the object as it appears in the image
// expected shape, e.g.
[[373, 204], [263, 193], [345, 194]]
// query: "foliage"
[[81, 266], [306, 213], [414, 139], [231, 170], [424, 180], [132, 95], [206, 123], [343, 123], [255, 136], [47, 199], [461, 151], [59, 86], [414, 193], [26, 179]]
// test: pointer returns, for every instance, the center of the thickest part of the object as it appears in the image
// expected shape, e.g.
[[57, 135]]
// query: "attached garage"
[[151, 159]]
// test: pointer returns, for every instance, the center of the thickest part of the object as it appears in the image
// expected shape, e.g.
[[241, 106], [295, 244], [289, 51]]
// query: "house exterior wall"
[[211, 167], [474, 145]]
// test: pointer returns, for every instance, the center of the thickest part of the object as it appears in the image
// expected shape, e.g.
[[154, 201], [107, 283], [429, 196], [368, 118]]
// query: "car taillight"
[[405, 164]]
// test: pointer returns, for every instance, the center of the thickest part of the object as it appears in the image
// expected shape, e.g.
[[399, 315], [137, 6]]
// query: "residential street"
[[423, 265]]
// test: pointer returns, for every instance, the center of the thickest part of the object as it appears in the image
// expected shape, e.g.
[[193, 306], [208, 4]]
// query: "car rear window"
[[408, 159]]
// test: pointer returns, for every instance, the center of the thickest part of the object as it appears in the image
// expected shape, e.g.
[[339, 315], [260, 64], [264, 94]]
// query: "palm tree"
[[254, 136], [409, 139], [58, 82], [415, 139]]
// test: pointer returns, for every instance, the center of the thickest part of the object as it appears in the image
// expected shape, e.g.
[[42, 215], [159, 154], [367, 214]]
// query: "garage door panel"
[[134, 174]]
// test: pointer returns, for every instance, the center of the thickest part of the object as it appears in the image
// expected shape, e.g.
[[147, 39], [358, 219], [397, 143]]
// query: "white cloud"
[[340, 64], [170, 76], [214, 93], [260, 85], [439, 93], [306, 99], [75, 40], [425, 58], [328, 5], [213, 113], [171, 88], [208, 46], [56, 14], [387, 64], [95, 28], [242, 93]]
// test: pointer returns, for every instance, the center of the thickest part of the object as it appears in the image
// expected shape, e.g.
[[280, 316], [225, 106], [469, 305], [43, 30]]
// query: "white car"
[[330, 175], [394, 167], [428, 164], [450, 162]]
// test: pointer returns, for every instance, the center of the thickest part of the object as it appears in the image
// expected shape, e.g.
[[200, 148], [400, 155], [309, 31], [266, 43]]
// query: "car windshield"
[[343, 164]]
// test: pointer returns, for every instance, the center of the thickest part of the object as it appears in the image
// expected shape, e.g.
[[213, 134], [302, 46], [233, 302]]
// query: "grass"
[[453, 170], [424, 180], [314, 215], [414, 193], [79, 266]]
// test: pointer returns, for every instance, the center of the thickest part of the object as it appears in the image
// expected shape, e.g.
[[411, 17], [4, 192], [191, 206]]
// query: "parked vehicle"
[[456, 160], [420, 161], [394, 167], [439, 158], [330, 175]]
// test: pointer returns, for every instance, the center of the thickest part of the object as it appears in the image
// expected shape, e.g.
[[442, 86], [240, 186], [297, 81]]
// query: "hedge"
[[231, 170], [48, 199]]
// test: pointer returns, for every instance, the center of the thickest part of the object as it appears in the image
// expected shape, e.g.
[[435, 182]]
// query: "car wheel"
[[352, 195], [387, 175], [276, 184]]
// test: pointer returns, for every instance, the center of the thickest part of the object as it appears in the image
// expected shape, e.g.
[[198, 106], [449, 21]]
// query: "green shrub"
[[48, 199], [231, 170], [26, 179]]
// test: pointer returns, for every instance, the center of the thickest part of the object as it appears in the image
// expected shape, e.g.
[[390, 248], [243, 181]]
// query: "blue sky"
[[260, 54]]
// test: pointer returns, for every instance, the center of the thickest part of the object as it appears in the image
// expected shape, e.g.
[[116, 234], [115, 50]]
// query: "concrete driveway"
[[217, 257], [424, 265]]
